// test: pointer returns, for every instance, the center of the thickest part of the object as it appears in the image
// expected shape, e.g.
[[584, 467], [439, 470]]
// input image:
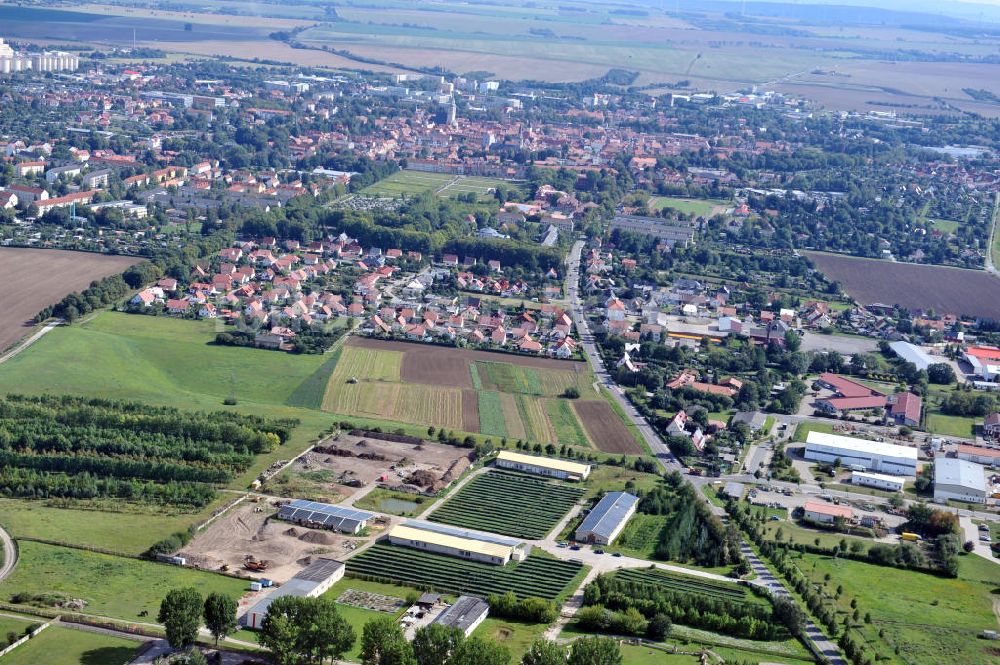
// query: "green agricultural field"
[[565, 423], [535, 576], [698, 207], [366, 365], [491, 420], [169, 362], [113, 586], [86, 524], [509, 504], [402, 402], [929, 619], [511, 378], [67, 646]]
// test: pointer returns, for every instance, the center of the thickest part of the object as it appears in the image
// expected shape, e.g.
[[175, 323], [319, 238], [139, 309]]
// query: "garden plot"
[[535, 576]]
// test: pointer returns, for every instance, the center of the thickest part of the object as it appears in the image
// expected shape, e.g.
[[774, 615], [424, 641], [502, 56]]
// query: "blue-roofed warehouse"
[[325, 516], [607, 519]]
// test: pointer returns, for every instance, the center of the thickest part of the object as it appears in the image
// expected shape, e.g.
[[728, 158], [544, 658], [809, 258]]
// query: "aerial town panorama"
[[576, 332]]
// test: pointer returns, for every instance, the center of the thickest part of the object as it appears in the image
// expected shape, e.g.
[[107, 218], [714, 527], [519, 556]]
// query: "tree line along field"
[[508, 504], [535, 576], [914, 286], [75, 448], [495, 394]]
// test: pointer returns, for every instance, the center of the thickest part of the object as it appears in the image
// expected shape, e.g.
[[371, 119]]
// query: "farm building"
[[959, 479], [607, 519], [871, 455], [979, 454], [912, 353], [543, 466], [465, 614], [878, 481], [826, 513], [849, 395], [325, 516], [461, 543], [312, 581], [985, 361], [905, 409]]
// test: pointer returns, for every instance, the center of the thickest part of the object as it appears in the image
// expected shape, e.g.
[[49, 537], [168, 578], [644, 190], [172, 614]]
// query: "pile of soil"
[[318, 538]]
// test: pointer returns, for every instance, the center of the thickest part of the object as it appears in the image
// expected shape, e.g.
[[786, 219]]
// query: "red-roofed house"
[[905, 409], [826, 513]]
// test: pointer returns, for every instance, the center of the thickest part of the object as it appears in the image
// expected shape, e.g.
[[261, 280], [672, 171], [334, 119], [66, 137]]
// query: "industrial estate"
[[538, 333]]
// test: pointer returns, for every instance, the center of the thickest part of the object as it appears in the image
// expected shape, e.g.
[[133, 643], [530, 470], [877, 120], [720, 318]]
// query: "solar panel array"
[[337, 518]]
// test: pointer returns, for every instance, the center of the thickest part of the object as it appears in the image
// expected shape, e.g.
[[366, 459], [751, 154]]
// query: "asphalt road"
[[660, 449], [9, 555]]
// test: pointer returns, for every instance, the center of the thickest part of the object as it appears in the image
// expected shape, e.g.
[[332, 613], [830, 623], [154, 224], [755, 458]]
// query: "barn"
[[312, 581], [461, 543], [543, 466], [607, 519], [325, 516]]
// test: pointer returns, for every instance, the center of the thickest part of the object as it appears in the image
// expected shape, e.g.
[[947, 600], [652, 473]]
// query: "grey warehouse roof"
[[912, 353], [465, 612], [301, 585], [334, 517], [608, 513], [464, 533], [954, 471]]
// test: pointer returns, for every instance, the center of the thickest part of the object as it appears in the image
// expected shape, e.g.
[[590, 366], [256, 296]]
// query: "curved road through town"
[[662, 453]]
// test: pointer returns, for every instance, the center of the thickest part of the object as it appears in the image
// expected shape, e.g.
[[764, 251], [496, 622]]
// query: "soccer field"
[[416, 183]]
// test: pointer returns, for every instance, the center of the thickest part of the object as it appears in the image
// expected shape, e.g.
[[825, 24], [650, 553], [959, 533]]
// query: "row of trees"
[[310, 631], [70, 447]]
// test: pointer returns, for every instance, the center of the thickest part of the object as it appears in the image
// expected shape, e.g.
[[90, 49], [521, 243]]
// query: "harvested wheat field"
[[448, 366], [32, 279], [606, 429]]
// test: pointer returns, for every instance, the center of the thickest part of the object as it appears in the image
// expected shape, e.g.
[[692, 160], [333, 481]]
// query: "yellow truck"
[[912, 537]]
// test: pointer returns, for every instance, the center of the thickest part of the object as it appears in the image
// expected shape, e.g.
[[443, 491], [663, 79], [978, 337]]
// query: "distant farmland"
[[945, 290], [32, 279]]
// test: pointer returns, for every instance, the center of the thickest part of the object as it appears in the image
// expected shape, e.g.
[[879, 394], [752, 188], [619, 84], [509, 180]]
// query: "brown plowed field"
[[605, 428], [447, 366], [31, 279], [945, 290], [470, 411]]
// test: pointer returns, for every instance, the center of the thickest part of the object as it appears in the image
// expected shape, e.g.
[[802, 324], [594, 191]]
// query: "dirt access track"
[[250, 529], [448, 366], [31, 279]]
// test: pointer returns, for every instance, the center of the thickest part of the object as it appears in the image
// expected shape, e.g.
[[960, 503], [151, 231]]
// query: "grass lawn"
[[801, 534], [515, 635], [699, 207], [640, 536], [939, 423], [66, 646], [608, 478], [112, 586], [928, 619], [128, 532], [9, 624], [802, 431]]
